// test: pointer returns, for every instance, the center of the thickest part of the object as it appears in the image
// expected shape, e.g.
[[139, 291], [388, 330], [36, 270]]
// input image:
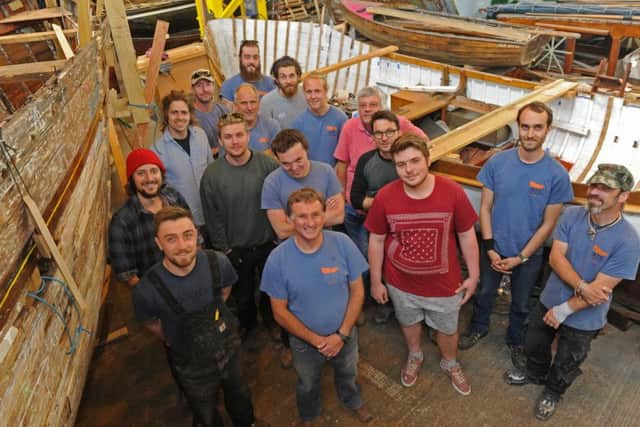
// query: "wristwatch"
[[523, 258], [345, 339]]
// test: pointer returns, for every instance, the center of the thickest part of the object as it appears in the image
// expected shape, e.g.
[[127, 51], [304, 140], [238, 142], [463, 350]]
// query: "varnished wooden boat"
[[56, 144], [448, 47]]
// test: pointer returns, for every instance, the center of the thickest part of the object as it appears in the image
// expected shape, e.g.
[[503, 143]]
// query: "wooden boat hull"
[[447, 48]]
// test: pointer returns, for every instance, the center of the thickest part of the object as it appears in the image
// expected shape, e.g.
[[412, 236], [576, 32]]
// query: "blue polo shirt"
[[261, 135], [614, 251], [322, 132], [521, 192]]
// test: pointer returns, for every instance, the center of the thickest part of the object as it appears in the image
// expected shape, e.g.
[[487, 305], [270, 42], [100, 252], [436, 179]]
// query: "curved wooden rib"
[[603, 134]]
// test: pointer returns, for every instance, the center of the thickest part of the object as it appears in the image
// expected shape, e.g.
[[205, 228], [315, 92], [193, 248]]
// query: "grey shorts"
[[439, 313]]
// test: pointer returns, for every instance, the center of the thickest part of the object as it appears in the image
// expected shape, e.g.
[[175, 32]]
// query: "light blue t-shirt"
[[322, 132], [521, 192], [229, 86], [261, 135], [317, 289], [614, 252], [279, 185]]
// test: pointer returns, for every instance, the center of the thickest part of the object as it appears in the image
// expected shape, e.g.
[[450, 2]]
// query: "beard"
[[289, 90], [250, 76], [181, 259], [146, 194]]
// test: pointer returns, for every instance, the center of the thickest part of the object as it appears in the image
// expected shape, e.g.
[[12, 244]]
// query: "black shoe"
[[470, 339], [383, 313], [546, 405], [515, 377], [518, 357]]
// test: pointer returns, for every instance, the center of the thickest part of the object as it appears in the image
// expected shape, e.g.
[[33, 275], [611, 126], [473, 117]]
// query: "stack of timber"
[[291, 10], [56, 179], [446, 38]]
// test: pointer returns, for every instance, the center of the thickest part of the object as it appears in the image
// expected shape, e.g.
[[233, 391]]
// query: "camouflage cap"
[[613, 176]]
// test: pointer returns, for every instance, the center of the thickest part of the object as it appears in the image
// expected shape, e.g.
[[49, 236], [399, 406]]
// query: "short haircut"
[[314, 75], [246, 86], [171, 213], [248, 43], [410, 140], [385, 115], [176, 95], [372, 91], [287, 138], [285, 61], [537, 107], [304, 195], [231, 119]]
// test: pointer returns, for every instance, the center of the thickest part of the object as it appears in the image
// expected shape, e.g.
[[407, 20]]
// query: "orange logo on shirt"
[[597, 249], [329, 270], [332, 128], [535, 185], [263, 140]]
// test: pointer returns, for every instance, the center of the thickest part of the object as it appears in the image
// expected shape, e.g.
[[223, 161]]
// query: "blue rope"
[[44, 280]]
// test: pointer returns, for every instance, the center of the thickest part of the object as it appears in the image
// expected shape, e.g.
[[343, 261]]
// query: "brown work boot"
[[363, 414]]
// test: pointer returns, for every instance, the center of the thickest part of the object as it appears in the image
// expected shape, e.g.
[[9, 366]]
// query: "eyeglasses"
[[388, 133], [231, 118]]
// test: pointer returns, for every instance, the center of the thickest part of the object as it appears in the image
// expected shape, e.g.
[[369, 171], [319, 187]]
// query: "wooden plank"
[[484, 125], [30, 70], [356, 59], [84, 22], [126, 57], [116, 153], [34, 37], [603, 134], [63, 42], [41, 225], [36, 15], [457, 26]]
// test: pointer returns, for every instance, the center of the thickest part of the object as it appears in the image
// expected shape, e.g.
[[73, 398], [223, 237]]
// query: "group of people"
[[256, 195]]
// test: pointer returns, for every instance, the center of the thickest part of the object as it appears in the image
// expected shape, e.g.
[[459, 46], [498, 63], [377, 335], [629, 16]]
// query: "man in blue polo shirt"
[[593, 250], [522, 196], [328, 269], [262, 129], [321, 123]]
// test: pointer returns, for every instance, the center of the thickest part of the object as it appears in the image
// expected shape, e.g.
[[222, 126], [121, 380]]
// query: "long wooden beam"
[[356, 59], [29, 70], [36, 15], [484, 125], [34, 37]]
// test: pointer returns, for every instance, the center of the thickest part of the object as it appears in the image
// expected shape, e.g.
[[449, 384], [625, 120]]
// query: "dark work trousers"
[[523, 279], [249, 263], [201, 384], [573, 347]]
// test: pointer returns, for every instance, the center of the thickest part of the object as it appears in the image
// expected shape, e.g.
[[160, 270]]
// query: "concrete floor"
[[129, 383]]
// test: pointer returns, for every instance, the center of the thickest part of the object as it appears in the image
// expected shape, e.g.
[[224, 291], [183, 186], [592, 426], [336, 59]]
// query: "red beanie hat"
[[142, 156]]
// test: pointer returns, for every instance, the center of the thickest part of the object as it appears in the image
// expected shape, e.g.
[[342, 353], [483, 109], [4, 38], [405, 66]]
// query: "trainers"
[[518, 357], [410, 371], [546, 406], [515, 376], [470, 339], [286, 358], [458, 380], [383, 313]]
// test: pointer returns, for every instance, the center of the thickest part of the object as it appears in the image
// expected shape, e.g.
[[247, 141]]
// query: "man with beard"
[[132, 250], [320, 122], [355, 140], [262, 129], [523, 192], [206, 110], [374, 170], [250, 72], [287, 102], [414, 223], [185, 152], [170, 296], [230, 192], [314, 280], [593, 250]]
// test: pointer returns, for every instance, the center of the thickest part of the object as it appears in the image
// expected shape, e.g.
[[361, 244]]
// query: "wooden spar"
[[356, 59], [297, 42], [84, 23], [335, 79], [264, 45], [36, 15], [29, 71], [601, 139], [63, 42], [355, 90], [286, 40], [320, 37], [244, 28], [235, 38], [275, 43], [34, 37], [484, 125], [309, 37]]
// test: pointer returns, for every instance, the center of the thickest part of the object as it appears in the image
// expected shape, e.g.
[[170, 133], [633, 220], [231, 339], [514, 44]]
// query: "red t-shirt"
[[420, 247]]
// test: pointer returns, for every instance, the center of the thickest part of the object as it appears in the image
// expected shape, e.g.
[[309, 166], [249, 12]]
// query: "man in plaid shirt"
[[132, 249]]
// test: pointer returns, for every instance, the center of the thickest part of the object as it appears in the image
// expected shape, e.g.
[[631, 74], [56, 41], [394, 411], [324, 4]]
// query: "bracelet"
[[488, 244], [580, 287]]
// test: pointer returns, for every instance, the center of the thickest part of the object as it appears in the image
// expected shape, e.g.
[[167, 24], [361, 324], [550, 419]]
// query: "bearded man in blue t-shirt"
[[593, 250], [523, 191]]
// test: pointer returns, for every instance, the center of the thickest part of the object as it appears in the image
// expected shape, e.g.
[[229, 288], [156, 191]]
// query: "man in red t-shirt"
[[413, 225]]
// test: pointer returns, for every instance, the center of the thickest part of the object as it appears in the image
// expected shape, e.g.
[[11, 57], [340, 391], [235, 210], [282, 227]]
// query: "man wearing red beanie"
[[132, 249]]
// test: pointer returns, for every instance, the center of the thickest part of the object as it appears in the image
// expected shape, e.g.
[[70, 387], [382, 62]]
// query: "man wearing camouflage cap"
[[594, 249]]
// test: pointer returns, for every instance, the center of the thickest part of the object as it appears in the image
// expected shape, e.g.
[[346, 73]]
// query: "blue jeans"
[[523, 279], [308, 363], [354, 224], [573, 347]]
